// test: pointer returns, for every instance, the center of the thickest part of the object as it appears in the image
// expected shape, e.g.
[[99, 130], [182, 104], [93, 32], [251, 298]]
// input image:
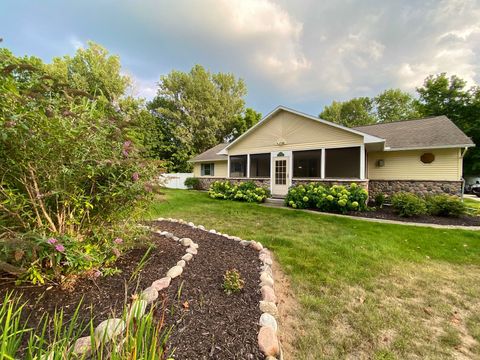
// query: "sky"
[[302, 54]]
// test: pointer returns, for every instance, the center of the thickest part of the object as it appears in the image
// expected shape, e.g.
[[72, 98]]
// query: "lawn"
[[365, 290], [473, 206]]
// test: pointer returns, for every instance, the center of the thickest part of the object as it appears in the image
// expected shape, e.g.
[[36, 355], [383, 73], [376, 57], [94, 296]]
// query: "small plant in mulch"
[[232, 281]]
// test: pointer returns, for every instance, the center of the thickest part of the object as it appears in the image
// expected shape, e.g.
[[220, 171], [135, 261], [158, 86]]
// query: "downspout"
[[462, 154]]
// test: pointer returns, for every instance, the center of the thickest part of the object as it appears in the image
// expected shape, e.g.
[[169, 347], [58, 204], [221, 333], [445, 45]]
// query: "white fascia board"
[[429, 147]]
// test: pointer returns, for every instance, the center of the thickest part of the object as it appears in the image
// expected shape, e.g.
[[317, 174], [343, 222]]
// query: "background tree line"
[[439, 95]]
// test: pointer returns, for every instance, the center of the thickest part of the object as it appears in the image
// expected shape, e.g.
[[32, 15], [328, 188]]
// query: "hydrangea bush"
[[336, 198], [246, 191]]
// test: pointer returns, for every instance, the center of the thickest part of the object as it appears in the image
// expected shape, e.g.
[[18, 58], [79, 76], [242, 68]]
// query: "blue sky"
[[302, 54]]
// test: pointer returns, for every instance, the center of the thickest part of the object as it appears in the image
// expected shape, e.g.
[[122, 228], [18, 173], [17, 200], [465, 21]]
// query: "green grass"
[[365, 289], [473, 206]]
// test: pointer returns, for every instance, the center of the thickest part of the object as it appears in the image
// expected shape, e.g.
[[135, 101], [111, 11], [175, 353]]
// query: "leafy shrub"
[[232, 281], [245, 191], [192, 183], [445, 205], [71, 157], [336, 198], [408, 204], [380, 200]]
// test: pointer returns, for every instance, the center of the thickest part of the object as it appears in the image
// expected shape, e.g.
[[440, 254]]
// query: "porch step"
[[275, 201]]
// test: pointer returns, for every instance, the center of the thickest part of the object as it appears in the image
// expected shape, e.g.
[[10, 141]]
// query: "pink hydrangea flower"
[[118, 241], [135, 176], [60, 248], [52, 241]]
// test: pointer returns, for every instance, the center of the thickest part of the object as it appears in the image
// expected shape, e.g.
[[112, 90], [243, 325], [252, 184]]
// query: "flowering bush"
[[336, 198], [246, 191]]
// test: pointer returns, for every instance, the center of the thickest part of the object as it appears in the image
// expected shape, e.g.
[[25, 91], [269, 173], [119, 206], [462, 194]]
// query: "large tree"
[[355, 112], [450, 96], [395, 104], [195, 111]]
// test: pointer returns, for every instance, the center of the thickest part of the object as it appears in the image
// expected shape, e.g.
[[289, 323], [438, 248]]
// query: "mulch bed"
[[388, 213], [207, 323], [215, 325]]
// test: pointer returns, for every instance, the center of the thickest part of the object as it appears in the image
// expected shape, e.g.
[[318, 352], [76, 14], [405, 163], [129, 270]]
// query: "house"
[[288, 148]]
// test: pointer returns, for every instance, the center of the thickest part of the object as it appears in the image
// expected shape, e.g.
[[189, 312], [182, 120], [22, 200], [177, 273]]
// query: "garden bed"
[[207, 323], [388, 213]]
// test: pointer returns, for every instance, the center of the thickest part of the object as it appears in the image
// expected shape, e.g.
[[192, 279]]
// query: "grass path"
[[365, 290]]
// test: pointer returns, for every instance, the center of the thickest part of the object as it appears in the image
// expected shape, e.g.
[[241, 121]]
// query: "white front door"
[[281, 170]]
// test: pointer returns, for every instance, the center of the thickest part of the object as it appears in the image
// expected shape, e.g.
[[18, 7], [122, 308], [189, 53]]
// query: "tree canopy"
[[195, 111]]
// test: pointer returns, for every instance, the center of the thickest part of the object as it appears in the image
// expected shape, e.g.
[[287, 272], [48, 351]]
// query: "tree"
[[441, 95], [244, 122], [394, 104], [355, 112], [195, 111]]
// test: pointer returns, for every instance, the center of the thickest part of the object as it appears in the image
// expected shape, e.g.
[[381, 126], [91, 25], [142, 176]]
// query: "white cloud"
[[76, 43]]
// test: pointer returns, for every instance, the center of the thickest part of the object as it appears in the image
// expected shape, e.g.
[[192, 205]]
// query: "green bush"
[[408, 204], [192, 183], [445, 205], [232, 281], [336, 198], [245, 191], [380, 200]]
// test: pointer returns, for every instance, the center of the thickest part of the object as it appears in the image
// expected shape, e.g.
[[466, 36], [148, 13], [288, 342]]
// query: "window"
[[208, 169], [238, 166], [342, 163], [307, 164], [260, 165]]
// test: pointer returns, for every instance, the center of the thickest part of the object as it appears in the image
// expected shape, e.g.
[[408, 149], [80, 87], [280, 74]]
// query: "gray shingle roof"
[[211, 154], [428, 133]]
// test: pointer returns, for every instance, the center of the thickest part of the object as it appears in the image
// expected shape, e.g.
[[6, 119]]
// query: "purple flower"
[[126, 148], [52, 241], [118, 241], [116, 252], [60, 248], [135, 176]]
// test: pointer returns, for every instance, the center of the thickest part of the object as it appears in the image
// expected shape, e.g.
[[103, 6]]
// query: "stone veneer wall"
[[387, 187], [418, 187]]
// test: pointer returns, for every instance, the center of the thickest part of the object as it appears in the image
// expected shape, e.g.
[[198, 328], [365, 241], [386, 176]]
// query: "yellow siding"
[[220, 169], [406, 165], [299, 133]]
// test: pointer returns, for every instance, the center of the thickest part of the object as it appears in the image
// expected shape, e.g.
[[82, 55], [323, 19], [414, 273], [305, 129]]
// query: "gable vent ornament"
[[281, 141]]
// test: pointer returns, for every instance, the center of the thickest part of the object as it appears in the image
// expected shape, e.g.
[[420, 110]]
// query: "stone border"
[[267, 336], [114, 327]]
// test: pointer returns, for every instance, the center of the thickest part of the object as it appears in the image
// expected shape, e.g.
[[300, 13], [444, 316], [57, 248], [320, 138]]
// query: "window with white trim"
[[208, 169]]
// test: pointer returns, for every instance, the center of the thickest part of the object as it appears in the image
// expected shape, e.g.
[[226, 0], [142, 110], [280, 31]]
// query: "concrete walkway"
[[382, 221], [471, 197]]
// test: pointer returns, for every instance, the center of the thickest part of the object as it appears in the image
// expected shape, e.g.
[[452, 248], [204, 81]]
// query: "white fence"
[[175, 181]]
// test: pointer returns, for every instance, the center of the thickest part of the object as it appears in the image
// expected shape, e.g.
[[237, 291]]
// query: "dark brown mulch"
[[388, 213], [103, 296], [215, 325]]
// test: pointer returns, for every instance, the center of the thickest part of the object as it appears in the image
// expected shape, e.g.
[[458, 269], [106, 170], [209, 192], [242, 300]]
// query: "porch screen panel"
[[343, 163], [238, 166], [307, 164], [260, 165]]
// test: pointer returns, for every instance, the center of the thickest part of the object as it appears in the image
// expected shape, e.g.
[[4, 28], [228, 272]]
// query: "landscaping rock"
[[266, 279], [137, 309], [192, 250], [82, 346], [160, 219], [269, 307], [169, 235], [175, 271], [236, 238], [186, 241], [176, 238], [244, 242], [268, 269], [194, 245], [162, 283], [266, 259], [268, 294], [268, 320], [191, 224], [270, 358], [213, 231], [256, 245], [150, 294], [109, 329], [201, 227], [187, 257], [181, 263], [268, 342]]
